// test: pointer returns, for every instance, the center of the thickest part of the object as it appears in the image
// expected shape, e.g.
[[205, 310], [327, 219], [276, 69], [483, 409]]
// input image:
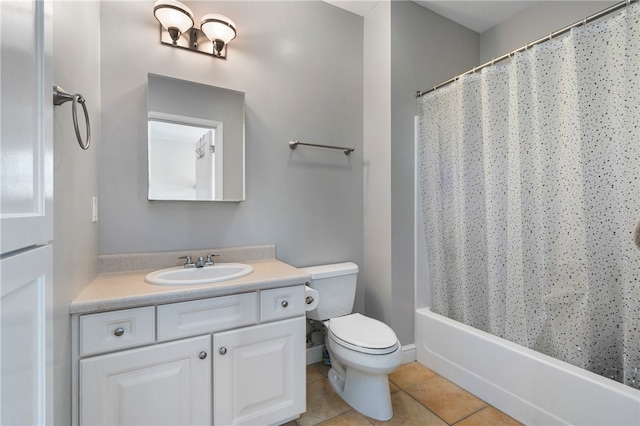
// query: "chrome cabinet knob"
[[202, 355], [223, 351], [284, 303], [118, 331]]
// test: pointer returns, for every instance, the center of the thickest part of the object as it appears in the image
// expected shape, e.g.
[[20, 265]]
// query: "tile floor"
[[418, 395]]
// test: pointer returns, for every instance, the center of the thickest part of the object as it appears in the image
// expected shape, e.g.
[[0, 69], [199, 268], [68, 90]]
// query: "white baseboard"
[[409, 353], [314, 354]]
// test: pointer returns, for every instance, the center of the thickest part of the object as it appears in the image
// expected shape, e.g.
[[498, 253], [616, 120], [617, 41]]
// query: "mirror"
[[195, 141]]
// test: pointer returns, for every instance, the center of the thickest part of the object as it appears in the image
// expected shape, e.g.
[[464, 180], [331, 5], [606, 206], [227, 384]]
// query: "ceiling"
[[478, 15]]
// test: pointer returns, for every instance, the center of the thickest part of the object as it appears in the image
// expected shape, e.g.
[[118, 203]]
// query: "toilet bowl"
[[363, 351], [360, 367]]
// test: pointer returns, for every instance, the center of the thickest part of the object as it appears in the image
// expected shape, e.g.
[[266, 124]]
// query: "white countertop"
[[120, 290]]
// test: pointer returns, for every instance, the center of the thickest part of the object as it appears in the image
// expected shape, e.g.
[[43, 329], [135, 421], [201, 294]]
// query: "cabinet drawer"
[[206, 316], [109, 331], [280, 303]]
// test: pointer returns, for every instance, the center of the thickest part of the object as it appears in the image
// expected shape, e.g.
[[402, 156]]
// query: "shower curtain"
[[530, 184]]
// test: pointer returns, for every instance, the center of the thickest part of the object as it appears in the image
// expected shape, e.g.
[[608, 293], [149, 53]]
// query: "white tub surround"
[[531, 387]]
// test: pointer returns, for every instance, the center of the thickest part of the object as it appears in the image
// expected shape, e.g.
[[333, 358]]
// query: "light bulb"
[[174, 16]]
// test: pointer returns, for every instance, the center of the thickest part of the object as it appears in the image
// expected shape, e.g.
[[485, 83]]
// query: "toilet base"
[[367, 393]]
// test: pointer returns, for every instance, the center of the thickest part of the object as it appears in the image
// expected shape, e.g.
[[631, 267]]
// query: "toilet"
[[363, 351]]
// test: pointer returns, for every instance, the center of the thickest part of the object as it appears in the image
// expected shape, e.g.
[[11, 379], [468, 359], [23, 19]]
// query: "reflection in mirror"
[[185, 161], [195, 141]]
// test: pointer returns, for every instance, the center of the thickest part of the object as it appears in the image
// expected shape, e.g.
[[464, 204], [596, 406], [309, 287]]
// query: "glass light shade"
[[218, 27], [173, 14]]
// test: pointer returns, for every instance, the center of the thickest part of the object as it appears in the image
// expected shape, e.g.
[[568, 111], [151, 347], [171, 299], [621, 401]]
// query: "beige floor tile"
[[409, 374], [322, 368], [409, 412], [322, 403], [427, 399], [450, 402], [313, 373], [350, 418], [489, 416]]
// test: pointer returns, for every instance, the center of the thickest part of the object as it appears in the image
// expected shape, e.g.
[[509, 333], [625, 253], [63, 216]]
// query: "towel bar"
[[294, 145]]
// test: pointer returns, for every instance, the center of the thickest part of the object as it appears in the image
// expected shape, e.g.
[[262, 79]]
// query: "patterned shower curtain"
[[530, 184]]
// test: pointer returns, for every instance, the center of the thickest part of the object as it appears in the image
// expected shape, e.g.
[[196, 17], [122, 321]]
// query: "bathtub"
[[529, 386]]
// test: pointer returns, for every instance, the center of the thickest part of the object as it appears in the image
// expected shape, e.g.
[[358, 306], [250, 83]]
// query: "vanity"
[[232, 352]]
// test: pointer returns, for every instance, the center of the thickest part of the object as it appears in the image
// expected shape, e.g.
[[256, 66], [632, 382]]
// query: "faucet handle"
[[209, 261], [189, 263]]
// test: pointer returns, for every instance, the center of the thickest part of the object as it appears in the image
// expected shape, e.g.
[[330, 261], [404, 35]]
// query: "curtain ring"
[[77, 98]]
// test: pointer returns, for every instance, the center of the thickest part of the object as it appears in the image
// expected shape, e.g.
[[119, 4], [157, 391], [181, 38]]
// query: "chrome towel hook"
[[61, 96]]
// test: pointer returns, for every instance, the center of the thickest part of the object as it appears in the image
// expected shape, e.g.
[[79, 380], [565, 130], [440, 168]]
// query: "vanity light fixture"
[[219, 29], [174, 17], [177, 29]]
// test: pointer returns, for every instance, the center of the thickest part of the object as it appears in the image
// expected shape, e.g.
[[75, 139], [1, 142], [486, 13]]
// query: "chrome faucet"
[[209, 261], [200, 263], [188, 263]]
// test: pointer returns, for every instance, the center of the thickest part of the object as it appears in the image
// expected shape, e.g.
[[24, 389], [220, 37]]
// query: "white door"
[[165, 384], [26, 377], [26, 120], [26, 219], [259, 373]]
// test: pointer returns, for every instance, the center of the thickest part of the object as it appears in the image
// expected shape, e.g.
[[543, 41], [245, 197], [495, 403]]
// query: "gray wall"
[[533, 23], [301, 82], [300, 66], [407, 48], [76, 68], [376, 274], [426, 49]]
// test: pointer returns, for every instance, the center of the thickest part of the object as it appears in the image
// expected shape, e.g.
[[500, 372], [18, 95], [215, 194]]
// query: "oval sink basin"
[[193, 276]]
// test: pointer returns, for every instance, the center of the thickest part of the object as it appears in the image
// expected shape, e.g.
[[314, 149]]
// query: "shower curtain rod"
[[591, 18]]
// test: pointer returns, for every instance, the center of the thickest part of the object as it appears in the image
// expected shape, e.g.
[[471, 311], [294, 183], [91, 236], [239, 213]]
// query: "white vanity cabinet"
[[236, 359], [165, 384], [259, 374]]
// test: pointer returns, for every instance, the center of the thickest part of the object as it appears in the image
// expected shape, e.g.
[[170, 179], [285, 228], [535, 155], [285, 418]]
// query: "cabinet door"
[[259, 373], [165, 384]]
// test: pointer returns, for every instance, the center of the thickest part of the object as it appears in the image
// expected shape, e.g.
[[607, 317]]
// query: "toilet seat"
[[362, 334]]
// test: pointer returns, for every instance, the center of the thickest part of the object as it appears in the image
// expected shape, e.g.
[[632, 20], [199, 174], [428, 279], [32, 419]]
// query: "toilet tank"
[[336, 286]]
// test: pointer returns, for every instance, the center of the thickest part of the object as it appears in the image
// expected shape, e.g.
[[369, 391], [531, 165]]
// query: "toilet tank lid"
[[333, 270]]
